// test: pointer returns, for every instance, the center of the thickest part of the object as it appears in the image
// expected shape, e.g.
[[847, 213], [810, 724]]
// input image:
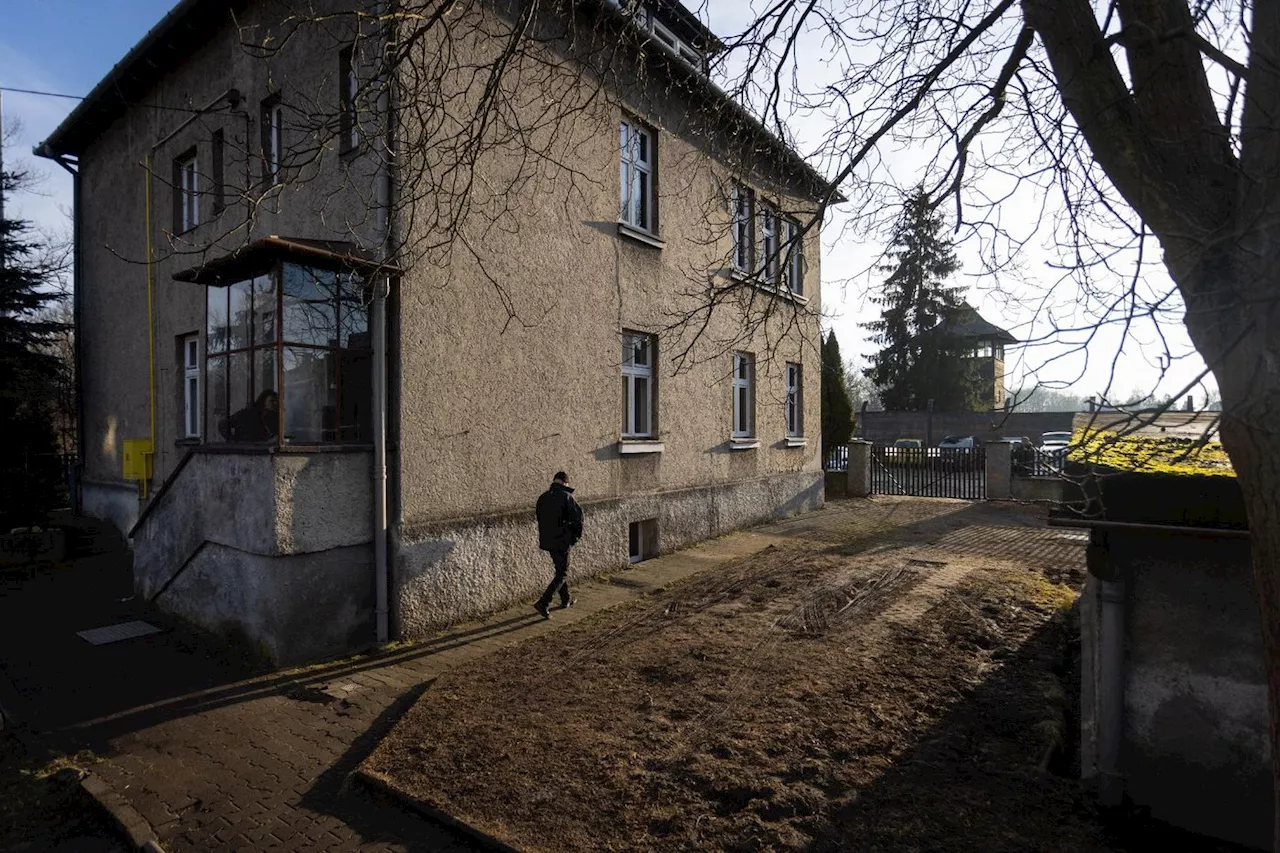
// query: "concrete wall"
[[885, 427], [111, 500], [450, 571], [1196, 746], [273, 547]]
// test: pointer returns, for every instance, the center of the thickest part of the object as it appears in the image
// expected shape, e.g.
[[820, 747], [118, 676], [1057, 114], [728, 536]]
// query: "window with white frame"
[[272, 139], [191, 386], [795, 400], [186, 185], [769, 242], [742, 205], [638, 161], [793, 243], [637, 385], [744, 396], [348, 137]]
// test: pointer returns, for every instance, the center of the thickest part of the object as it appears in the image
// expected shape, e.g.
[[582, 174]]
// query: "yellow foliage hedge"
[[1150, 454]]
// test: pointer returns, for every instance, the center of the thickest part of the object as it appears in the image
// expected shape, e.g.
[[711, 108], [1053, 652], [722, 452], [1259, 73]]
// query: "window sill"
[[744, 443], [780, 292], [194, 441], [640, 236], [631, 446], [796, 441]]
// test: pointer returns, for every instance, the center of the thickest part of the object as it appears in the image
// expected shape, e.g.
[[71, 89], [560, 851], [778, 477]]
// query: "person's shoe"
[[543, 609], [565, 605]]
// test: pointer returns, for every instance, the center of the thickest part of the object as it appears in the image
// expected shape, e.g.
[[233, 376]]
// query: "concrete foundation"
[[272, 548], [116, 502], [1195, 746], [1047, 489], [451, 571], [999, 462]]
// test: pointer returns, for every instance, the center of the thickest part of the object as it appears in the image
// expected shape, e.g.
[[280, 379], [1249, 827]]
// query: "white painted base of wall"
[[454, 571]]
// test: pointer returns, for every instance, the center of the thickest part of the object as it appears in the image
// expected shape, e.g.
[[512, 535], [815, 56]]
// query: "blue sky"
[[67, 46]]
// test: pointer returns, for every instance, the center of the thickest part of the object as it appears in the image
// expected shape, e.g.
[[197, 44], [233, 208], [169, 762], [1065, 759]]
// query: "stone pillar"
[[859, 469], [999, 471]]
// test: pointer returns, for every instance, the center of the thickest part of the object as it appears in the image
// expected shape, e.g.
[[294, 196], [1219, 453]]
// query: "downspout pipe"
[[378, 323]]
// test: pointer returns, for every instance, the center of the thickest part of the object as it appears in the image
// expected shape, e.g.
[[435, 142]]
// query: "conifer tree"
[[837, 411], [918, 359]]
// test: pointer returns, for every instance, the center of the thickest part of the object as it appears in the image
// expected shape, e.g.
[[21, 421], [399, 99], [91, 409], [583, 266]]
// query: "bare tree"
[[1145, 132]]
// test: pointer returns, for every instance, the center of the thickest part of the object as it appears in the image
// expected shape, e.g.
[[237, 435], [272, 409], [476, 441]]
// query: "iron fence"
[[932, 472], [838, 458], [1038, 461]]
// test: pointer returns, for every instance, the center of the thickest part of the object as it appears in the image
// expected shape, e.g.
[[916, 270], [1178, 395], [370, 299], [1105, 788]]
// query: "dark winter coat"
[[559, 519]]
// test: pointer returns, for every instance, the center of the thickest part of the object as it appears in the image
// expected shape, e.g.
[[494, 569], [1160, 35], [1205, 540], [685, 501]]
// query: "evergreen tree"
[[29, 372], [837, 411], [918, 358]]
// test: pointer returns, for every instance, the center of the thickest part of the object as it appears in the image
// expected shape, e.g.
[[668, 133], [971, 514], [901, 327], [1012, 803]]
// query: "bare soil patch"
[[885, 686]]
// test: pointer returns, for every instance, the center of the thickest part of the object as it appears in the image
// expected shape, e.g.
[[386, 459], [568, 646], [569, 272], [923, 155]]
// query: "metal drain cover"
[[116, 633]]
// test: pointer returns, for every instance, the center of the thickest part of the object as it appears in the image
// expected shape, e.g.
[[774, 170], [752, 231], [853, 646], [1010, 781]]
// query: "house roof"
[[250, 259], [971, 324], [169, 42], [187, 26]]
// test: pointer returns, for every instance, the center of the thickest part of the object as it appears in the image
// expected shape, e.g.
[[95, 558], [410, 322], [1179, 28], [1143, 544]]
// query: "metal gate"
[[930, 472]]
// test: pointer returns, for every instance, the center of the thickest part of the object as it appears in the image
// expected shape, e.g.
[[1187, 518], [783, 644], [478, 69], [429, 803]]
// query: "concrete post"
[[999, 471], [859, 469]]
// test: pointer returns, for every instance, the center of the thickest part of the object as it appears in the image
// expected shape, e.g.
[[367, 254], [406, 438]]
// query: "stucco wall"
[[329, 198], [511, 362], [451, 570], [1196, 744], [273, 547]]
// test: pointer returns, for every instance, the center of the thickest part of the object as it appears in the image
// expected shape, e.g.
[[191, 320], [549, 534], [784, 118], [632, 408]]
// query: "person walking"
[[559, 529]]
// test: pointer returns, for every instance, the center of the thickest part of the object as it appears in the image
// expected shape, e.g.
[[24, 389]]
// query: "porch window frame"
[[631, 372], [275, 270], [795, 400], [192, 395]]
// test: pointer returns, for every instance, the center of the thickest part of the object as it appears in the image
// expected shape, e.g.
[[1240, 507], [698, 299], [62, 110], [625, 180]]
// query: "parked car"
[[1055, 439], [905, 451], [956, 442]]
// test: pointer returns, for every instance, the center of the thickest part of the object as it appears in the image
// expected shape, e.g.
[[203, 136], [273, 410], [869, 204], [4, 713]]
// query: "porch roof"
[[247, 260]]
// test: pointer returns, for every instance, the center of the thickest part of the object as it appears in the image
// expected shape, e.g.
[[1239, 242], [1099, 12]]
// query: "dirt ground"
[[891, 679]]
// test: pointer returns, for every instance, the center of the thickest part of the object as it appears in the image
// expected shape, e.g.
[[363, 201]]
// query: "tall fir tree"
[[837, 410], [29, 372], [918, 359]]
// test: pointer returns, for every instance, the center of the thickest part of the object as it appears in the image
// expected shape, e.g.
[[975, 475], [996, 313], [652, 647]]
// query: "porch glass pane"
[[240, 314], [353, 313], [216, 394], [310, 396], [310, 300], [264, 309], [216, 332]]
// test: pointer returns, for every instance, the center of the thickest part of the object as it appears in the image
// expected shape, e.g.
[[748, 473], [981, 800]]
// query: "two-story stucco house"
[[353, 284]]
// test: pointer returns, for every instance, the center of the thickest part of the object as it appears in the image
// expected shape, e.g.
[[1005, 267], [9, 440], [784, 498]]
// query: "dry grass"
[[897, 693]]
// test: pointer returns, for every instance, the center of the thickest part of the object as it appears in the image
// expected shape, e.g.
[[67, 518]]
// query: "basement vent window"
[[644, 540]]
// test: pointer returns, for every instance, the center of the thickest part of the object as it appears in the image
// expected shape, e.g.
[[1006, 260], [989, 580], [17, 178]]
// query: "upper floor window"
[[795, 400], [638, 168], [743, 205], [186, 195], [217, 153], [272, 139], [744, 395], [348, 138], [637, 385], [793, 243], [769, 242]]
